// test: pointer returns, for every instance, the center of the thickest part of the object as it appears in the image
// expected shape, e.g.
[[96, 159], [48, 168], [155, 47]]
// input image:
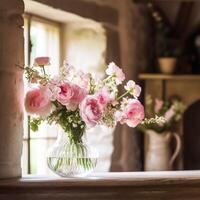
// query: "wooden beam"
[[85, 9], [183, 18]]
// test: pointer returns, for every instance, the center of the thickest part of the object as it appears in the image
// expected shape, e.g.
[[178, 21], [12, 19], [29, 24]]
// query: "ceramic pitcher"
[[158, 154]]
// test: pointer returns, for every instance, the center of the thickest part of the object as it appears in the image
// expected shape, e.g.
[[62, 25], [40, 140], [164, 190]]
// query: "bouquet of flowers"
[[163, 115], [76, 100]]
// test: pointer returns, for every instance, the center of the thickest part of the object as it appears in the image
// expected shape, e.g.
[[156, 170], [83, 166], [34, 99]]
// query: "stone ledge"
[[109, 179]]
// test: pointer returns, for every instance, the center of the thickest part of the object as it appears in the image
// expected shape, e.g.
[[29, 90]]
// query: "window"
[[86, 46], [42, 38]]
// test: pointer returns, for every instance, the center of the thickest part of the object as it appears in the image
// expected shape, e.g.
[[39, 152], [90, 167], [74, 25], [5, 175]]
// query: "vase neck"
[[66, 137]]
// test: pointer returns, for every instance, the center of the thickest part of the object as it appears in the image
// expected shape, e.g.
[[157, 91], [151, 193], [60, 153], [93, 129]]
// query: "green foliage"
[[34, 123], [157, 119], [31, 73], [156, 123], [69, 121]]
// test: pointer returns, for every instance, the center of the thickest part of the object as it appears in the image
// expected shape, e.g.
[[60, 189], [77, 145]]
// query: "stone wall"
[[11, 87]]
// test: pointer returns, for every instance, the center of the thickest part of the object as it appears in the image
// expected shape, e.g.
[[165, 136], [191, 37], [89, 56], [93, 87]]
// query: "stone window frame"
[[32, 17]]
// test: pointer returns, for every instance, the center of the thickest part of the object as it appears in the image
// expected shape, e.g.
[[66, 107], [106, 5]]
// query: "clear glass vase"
[[68, 159]]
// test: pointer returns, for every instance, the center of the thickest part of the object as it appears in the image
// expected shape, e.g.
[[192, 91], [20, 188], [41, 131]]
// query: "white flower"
[[133, 88], [67, 71], [114, 70], [124, 103], [53, 92]]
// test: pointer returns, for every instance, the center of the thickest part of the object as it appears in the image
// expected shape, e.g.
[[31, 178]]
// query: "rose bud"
[[41, 61]]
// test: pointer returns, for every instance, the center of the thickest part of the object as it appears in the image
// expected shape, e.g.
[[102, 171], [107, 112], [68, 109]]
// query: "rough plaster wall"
[[85, 46]]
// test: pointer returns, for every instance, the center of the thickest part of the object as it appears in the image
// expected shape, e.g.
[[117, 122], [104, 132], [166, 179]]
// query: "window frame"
[[32, 17]]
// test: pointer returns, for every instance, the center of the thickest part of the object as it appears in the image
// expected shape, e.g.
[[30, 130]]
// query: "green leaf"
[[34, 124]]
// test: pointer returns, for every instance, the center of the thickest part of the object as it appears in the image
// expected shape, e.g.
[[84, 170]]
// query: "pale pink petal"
[[41, 61]]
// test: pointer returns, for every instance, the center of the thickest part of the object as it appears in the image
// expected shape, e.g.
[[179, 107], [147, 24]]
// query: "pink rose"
[[37, 102], [132, 114], [158, 105], [70, 95], [41, 61], [78, 95], [65, 93], [90, 111]]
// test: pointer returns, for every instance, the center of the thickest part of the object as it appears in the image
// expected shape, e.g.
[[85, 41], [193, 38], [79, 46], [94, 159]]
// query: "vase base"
[[72, 167], [73, 175]]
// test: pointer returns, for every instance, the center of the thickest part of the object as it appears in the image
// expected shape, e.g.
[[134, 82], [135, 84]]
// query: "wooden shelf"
[[168, 77]]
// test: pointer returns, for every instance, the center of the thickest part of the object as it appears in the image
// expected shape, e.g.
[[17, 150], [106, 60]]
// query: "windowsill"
[[174, 185], [108, 179]]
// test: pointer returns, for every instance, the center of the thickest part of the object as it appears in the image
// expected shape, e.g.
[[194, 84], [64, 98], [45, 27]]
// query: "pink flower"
[[90, 110], [169, 114], [133, 88], [65, 93], [78, 95], [70, 95], [104, 97], [68, 71], [68, 67], [37, 102], [158, 105], [33, 80], [83, 79], [114, 70], [41, 61], [114, 102], [132, 114], [53, 87], [34, 77]]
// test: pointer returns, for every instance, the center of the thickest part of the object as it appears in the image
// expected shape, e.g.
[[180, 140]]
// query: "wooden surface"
[[168, 77], [183, 185]]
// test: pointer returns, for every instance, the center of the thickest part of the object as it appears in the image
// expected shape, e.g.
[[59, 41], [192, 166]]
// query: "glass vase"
[[69, 159]]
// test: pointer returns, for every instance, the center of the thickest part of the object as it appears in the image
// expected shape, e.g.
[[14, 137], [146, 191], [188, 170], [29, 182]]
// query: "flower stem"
[[123, 95], [43, 69], [108, 78]]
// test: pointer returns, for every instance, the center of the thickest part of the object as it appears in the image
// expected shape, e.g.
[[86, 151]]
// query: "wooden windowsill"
[[174, 185], [109, 179]]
